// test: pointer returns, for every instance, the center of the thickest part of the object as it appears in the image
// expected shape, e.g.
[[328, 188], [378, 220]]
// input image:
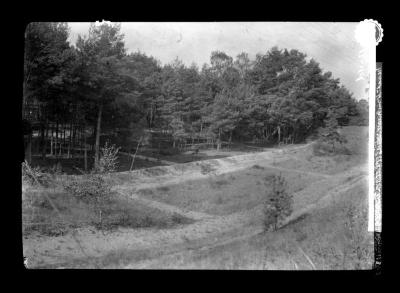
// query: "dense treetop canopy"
[[280, 96]]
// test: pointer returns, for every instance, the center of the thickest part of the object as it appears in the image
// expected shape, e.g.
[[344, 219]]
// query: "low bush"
[[163, 188], [90, 188], [108, 159], [93, 190], [323, 148], [207, 169], [279, 204], [257, 167], [34, 175], [178, 219]]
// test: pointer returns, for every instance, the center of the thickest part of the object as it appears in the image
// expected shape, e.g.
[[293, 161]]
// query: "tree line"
[[280, 96]]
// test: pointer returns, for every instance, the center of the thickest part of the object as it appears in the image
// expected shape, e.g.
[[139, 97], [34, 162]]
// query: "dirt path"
[[222, 166], [163, 206], [296, 171], [325, 200]]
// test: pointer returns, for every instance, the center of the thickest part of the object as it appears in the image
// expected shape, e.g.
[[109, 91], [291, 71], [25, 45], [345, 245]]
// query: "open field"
[[226, 193], [208, 215]]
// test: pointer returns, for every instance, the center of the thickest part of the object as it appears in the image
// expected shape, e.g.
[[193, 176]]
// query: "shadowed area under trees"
[[78, 95]]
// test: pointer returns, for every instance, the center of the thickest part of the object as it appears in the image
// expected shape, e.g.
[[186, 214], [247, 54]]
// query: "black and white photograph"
[[201, 145]]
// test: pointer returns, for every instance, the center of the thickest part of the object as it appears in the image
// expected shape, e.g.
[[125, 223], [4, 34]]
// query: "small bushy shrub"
[[257, 167], [163, 188], [33, 176], [279, 204], [324, 148], [179, 219], [330, 140], [92, 190], [207, 169], [108, 159], [89, 188]]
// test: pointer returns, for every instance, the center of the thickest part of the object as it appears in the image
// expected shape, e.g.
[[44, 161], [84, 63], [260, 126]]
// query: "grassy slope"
[[227, 193], [326, 236], [322, 235], [357, 144], [40, 218]]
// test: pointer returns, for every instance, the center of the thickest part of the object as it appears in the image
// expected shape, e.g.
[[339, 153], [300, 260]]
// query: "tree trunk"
[[61, 140], [97, 143], [81, 142], [70, 140], [230, 139], [279, 134], [85, 152], [51, 141], [152, 115], [73, 140], [56, 140], [219, 140], [93, 137], [43, 142], [64, 128], [294, 135], [134, 156]]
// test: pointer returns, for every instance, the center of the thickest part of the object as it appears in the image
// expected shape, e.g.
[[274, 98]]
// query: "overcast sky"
[[333, 45]]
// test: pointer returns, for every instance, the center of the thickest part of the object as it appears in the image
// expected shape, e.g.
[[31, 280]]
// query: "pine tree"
[[330, 133], [279, 204], [100, 54]]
